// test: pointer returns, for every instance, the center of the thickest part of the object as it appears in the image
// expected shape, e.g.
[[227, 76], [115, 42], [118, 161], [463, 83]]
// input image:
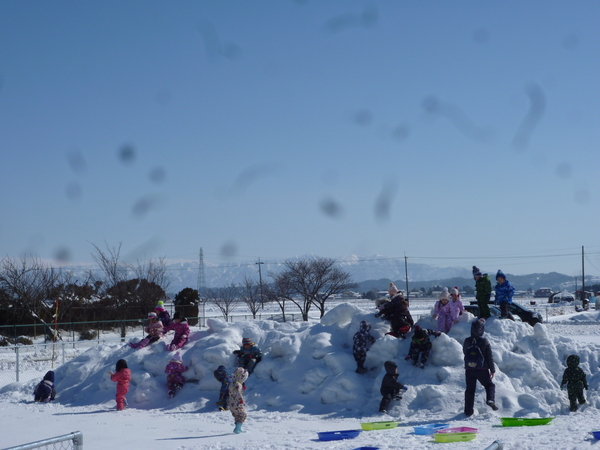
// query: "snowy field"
[[306, 384]]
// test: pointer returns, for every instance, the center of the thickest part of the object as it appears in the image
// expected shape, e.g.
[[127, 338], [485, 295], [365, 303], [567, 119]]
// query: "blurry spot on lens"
[[158, 175], [76, 160], [582, 196], [563, 170], [571, 41], [401, 132], [331, 208], [431, 104], [228, 249], [481, 36], [62, 254], [363, 118], [537, 107], [126, 154], [383, 203], [143, 205], [73, 191]]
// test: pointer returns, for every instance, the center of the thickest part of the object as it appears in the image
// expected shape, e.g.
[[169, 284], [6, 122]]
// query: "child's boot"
[[143, 343], [238, 428], [360, 368]]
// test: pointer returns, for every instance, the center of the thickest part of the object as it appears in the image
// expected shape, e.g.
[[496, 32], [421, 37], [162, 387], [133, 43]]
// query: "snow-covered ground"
[[306, 384]]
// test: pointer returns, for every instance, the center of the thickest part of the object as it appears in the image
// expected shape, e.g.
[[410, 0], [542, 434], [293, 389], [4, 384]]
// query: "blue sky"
[[455, 132]]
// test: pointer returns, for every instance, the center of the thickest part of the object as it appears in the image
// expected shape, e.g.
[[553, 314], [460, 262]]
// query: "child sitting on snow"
[[174, 371], [249, 355], [122, 376], [154, 330], [225, 379], [575, 379], [235, 402], [44, 391], [162, 313], [420, 344], [390, 386], [362, 342], [182, 332]]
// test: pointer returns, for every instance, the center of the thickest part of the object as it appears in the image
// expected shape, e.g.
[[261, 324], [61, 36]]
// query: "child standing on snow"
[[122, 376], [390, 386], [44, 391], [575, 379], [182, 332], [457, 304], [235, 402], [420, 345], [154, 330], [443, 312], [225, 379], [249, 355], [362, 342], [174, 371]]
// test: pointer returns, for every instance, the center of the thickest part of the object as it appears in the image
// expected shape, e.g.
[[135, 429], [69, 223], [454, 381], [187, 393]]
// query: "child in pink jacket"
[[122, 376], [154, 330], [182, 332]]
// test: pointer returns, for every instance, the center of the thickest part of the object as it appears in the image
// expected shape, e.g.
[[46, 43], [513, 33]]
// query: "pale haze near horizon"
[[455, 133]]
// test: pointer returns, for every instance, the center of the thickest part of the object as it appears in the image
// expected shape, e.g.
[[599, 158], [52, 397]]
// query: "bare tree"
[[154, 271], [280, 291], [109, 262], [250, 295], [314, 280], [226, 299]]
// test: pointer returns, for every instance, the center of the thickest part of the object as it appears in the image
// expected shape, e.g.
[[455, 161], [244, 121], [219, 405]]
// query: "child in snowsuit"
[[420, 345], [162, 313], [182, 332], [44, 391], [390, 386], [443, 311], [399, 316], [174, 371], [362, 342], [122, 376], [575, 379], [235, 402], [249, 355], [225, 379], [504, 294], [154, 330], [457, 304], [479, 366], [483, 286]]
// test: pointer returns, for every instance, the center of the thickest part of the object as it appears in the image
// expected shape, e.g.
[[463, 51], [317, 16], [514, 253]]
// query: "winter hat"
[[444, 294], [392, 290], [177, 358], [220, 373], [152, 315], [476, 272], [420, 333], [247, 341], [179, 316], [500, 274], [49, 376], [454, 290], [160, 305]]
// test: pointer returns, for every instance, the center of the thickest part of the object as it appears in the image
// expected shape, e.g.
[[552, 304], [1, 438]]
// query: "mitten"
[[407, 358], [437, 334], [405, 388], [236, 352]]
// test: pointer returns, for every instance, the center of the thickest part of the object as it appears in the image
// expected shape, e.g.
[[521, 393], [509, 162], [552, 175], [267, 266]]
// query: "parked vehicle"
[[563, 296], [543, 292], [518, 311]]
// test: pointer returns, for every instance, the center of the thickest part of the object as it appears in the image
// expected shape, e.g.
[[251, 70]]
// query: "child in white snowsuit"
[[362, 342], [175, 378], [390, 386], [576, 381], [235, 402]]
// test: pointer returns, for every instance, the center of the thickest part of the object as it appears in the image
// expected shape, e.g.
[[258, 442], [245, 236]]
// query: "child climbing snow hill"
[[236, 398], [420, 344], [443, 311], [175, 378], [576, 381], [44, 391], [390, 386], [225, 379], [122, 376], [362, 342], [182, 331]]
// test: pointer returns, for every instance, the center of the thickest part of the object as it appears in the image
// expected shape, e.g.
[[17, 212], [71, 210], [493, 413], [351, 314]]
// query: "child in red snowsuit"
[[122, 376], [174, 371]]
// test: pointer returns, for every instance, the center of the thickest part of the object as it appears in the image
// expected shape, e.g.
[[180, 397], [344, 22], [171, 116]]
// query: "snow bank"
[[309, 367]]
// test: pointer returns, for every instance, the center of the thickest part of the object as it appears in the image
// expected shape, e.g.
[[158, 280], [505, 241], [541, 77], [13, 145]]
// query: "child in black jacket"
[[575, 379], [390, 386], [44, 391], [420, 345]]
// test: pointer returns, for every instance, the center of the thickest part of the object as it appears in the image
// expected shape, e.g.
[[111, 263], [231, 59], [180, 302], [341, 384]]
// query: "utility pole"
[[582, 298], [201, 286], [262, 303], [406, 278]]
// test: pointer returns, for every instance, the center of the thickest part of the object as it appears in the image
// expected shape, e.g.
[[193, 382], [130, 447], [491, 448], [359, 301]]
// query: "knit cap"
[[247, 341], [177, 358], [476, 271]]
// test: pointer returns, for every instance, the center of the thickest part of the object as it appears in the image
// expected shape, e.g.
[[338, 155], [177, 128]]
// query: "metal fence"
[[71, 441]]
